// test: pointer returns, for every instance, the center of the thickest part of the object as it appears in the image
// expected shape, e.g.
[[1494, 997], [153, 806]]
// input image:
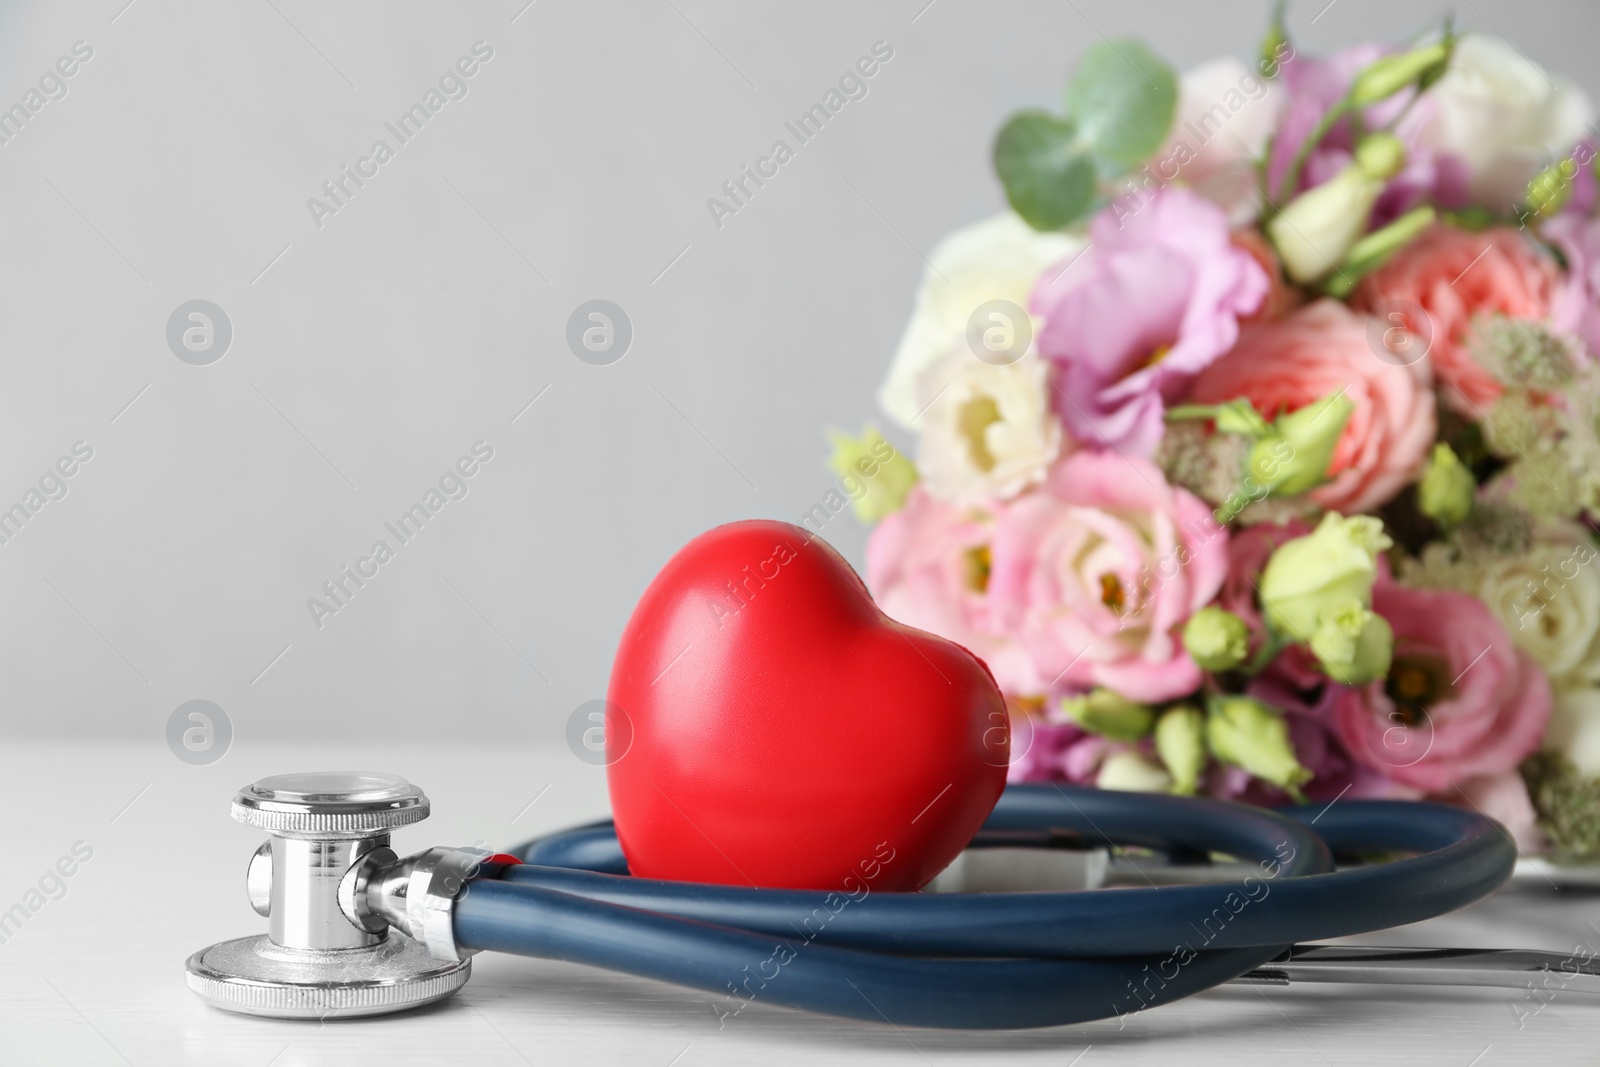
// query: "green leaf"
[[1122, 98], [1049, 178]]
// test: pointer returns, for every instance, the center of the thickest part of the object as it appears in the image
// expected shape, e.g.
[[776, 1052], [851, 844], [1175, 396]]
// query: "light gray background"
[[424, 316]]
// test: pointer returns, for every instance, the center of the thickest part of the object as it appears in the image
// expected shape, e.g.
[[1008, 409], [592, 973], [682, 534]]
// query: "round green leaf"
[[1048, 177], [1122, 98]]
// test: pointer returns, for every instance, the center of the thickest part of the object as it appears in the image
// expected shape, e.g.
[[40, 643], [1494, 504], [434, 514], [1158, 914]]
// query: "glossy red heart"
[[781, 731]]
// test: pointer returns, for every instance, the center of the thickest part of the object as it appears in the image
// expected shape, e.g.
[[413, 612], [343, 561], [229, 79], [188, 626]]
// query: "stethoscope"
[[356, 930]]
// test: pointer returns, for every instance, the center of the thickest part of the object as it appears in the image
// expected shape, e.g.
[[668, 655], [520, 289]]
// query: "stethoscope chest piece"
[[339, 904], [254, 976]]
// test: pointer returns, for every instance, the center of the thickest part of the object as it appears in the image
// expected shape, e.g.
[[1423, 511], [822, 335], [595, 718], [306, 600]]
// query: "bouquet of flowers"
[[1258, 444]]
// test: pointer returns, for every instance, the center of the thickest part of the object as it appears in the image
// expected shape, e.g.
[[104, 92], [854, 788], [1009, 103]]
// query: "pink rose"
[[1308, 356], [1453, 276], [1461, 701], [928, 567], [1576, 307], [1094, 572], [1158, 296]]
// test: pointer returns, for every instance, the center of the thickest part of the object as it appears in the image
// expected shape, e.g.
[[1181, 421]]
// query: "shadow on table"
[[537, 991]]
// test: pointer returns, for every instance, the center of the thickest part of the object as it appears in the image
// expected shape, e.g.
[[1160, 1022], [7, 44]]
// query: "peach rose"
[[1451, 276], [1281, 297], [1317, 351]]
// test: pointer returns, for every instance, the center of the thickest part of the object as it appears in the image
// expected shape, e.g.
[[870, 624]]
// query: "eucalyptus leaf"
[[1122, 99], [1048, 175]]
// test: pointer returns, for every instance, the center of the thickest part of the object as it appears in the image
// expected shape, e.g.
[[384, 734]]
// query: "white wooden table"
[[96, 976]]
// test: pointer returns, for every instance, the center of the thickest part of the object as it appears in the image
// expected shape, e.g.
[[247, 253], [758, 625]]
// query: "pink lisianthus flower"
[[1461, 700], [928, 567], [1585, 185], [1314, 85], [1094, 573], [1504, 798], [1156, 298], [1575, 310]]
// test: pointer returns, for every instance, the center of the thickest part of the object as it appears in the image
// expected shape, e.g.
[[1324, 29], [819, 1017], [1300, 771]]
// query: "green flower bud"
[[1381, 155], [1274, 44], [1473, 219], [1430, 77], [1239, 416], [1252, 736], [872, 473], [1318, 228], [1389, 75], [1373, 250], [1294, 457], [1321, 571], [1216, 638], [1353, 644], [1110, 715], [1181, 744], [1447, 487], [1131, 771], [1550, 189]]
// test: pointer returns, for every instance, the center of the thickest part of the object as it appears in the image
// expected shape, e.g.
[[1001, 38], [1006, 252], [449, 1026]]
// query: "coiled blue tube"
[[1000, 960]]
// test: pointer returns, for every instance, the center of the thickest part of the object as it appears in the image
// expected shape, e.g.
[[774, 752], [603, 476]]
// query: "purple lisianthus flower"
[[1314, 85], [1054, 750], [1575, 311], [1155, 299], [1585, 185]]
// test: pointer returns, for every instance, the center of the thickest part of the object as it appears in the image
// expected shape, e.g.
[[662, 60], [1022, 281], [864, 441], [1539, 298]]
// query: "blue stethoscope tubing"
[[1001, 960]]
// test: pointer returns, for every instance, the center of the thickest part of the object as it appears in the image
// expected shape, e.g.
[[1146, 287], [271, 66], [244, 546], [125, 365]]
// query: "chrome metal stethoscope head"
[[352, 928]]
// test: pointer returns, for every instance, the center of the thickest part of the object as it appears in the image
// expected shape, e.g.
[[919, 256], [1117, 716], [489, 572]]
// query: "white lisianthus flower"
[[1549, 600], [988, 432], [1574, 729], [1504, 116], [1548, 597], [1319, 226], [997, 259], [1226, 115]]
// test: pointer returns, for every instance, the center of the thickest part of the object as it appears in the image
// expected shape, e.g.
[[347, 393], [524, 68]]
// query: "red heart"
[[769, 726]]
